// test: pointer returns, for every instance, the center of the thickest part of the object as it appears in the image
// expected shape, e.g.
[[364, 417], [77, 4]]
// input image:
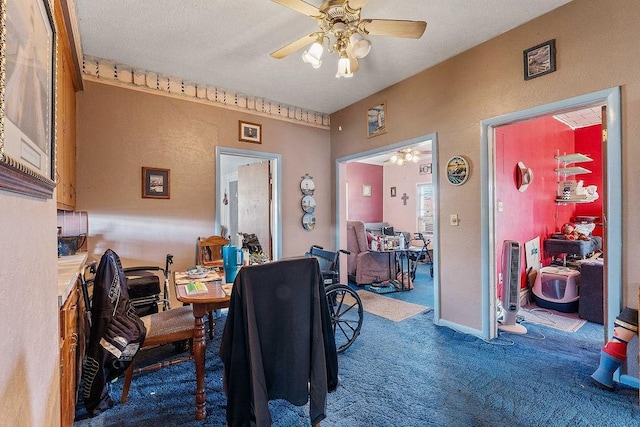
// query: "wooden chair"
[[164, 327], [210, 255], [210, 250]]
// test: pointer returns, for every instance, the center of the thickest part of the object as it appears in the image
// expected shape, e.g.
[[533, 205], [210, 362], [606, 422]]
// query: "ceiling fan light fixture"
[[359, 46], [344, 67], [339, 22], [313, 55], [405, 156]]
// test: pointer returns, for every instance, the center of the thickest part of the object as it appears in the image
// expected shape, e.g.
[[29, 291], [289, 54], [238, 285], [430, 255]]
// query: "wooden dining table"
[[215, 297]]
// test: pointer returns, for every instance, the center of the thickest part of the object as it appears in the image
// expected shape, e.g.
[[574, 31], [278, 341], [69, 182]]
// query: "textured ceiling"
[[227, 43]]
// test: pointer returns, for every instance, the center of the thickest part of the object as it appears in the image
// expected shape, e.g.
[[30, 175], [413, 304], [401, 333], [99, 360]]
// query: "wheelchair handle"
[[169, 262]]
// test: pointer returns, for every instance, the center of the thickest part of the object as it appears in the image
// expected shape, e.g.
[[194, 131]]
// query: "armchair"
[[365, 266]]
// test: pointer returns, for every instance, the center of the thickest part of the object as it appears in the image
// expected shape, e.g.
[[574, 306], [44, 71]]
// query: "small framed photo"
[[425, 168], [540, 60], [250, 132], [376, 120], [155, 183], [366, 190], [393, 191]]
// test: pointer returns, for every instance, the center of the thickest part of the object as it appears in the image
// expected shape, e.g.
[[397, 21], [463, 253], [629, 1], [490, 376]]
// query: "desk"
[[214, 299]]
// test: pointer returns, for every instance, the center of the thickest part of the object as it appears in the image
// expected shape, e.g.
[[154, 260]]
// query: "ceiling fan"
[[340, 24], [407, 155]]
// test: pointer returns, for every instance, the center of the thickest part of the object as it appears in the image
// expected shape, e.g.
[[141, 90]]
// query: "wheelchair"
[[420, 254], [145, 290], [345, 306]]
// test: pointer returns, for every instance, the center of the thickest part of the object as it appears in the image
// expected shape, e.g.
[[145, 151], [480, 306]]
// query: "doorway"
[[612, 205], [228, 160], [385, 152]]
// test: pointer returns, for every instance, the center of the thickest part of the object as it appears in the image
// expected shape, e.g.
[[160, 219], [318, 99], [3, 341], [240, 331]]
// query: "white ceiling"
[[227, 43]]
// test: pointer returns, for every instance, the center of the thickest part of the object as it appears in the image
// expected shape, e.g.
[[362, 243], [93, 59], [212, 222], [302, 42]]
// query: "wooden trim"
[[68, 26], [17, 180]]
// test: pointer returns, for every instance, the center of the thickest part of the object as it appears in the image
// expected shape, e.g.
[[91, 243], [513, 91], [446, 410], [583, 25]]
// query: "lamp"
[[344, 67], [405, 156], [358, 46], [312, 56], [347, 42]]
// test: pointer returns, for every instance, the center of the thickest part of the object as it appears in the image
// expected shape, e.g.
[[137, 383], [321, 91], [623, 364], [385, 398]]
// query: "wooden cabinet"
[[72, 349], [66, 87]]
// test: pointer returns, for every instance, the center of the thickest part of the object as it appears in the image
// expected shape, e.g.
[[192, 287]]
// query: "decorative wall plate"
[[457, 170], [307, 186], [308, 204], [308, 221]]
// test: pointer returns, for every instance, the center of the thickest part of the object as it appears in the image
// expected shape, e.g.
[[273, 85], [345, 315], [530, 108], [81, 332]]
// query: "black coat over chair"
[[116, 334], [278, 342]]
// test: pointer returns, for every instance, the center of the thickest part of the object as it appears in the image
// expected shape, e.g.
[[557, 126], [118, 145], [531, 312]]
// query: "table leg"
[[199, 345]]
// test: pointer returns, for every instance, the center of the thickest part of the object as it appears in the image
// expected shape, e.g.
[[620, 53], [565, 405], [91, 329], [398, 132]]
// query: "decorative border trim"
[[98, 69]]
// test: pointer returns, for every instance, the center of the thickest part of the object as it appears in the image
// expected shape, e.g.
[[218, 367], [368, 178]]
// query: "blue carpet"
[[413, 373]]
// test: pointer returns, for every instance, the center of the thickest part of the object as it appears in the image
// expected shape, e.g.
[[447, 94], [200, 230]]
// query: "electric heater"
[[511, 288]]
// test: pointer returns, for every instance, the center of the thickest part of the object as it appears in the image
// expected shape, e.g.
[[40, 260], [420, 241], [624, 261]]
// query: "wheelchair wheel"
[[345, 308]]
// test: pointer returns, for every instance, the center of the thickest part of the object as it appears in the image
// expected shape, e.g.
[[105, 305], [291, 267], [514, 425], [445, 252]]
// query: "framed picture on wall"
[[393, 191], [425, 169], [155, 183], [376, 120], [27, 104], [540, 60], [250, 132]]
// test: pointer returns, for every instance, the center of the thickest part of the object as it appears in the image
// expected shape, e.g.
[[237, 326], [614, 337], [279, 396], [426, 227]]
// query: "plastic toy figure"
[[614, 353]]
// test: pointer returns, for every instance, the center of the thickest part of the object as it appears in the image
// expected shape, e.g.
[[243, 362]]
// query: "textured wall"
[[406, 179], [361, 207], [593, 40], [120, 130], [30, 373]]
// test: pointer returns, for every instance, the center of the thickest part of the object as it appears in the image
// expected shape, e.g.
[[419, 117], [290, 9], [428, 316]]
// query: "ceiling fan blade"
[[394, 28], [292, 47], [357, 4], [300, 6]]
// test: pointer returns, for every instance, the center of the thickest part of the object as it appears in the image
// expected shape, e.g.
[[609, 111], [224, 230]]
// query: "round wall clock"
[[457, 170]]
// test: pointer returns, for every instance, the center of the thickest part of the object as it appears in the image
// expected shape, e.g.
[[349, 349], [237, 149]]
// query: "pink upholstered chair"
[[365, 266]]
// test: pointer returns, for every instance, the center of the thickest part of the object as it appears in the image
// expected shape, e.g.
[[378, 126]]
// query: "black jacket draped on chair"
[[278, 342]]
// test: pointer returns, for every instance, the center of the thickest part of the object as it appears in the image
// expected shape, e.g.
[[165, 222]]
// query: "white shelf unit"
[[566, 169]]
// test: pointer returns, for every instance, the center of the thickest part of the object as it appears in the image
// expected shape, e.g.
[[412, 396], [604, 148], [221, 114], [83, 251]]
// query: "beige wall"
[[401, 214], [120, 130], [30, 372], [596, 43]]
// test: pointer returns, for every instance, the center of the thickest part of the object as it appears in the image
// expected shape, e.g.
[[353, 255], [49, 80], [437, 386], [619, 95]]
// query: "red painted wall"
[[533, 212], [367, 209]]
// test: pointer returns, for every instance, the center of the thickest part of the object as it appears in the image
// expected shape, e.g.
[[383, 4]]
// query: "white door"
[[254, 202]]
